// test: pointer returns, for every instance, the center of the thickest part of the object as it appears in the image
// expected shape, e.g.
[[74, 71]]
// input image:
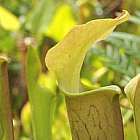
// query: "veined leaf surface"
[[66, 58], [93, 115]]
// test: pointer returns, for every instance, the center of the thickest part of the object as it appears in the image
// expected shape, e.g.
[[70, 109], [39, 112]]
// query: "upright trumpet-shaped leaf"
[[6, 127], [66, 58], [132, 91], [93, 115], [42, 100]]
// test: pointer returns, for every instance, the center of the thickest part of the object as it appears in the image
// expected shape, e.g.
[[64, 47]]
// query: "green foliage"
[[118, 54], [42, 100], [42, 23], [38, 21]]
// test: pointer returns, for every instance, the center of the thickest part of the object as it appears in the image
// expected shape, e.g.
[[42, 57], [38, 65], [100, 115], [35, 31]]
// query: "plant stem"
[[5, 106]]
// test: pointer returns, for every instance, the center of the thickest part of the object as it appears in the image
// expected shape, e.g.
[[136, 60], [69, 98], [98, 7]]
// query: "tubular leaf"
[[132, 91], [42, 100], [94, 114]]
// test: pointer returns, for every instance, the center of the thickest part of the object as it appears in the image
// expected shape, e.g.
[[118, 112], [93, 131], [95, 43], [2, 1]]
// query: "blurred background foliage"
[[41, 24]]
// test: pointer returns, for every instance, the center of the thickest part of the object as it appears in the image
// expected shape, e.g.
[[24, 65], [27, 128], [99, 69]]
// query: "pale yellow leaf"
[[66, 58], [93, 114], [8, 21]]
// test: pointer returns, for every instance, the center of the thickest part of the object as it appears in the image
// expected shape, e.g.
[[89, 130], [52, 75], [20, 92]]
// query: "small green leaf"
[[132, 91]]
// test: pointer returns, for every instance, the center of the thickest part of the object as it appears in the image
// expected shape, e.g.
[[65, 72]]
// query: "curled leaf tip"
[[124, 16]]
